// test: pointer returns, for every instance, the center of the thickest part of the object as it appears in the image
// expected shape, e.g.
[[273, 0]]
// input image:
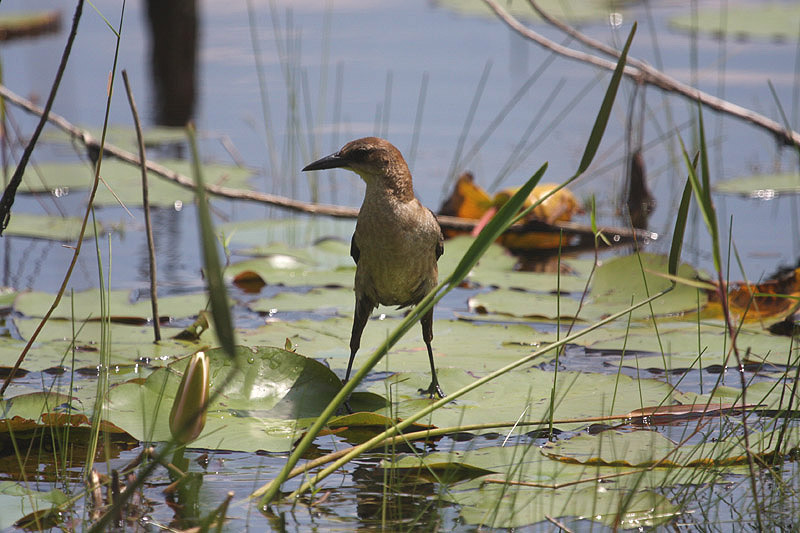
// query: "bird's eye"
[[359, 154]]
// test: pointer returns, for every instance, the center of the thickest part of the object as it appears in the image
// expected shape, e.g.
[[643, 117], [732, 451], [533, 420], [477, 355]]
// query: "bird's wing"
[[355, 253], [440, 243]]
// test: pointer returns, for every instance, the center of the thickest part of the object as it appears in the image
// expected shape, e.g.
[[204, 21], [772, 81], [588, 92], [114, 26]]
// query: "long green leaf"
[[605, 109], [680, 227], [220, 311]]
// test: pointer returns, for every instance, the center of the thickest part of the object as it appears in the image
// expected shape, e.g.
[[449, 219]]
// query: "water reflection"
[[173, 56]]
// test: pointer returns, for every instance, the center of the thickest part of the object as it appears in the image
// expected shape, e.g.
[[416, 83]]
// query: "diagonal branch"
[[641, 72], [447, 222]]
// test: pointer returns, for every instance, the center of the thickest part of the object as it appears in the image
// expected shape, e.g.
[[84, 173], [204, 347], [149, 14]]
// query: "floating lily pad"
[[287, 271], [86, 305], [18, 501], [526, 393], [496, 269], [7, 296], [456, 344], [271, 398], [683, 341], [522, 304], [125, 136], [126, 181], [769, 396], [573, 11], [644, 449], [129, 344], [321, 301], [769, 20], [623, 280], [761, 187], [52, 228], [495, 504], [259, 237], [617, 284]]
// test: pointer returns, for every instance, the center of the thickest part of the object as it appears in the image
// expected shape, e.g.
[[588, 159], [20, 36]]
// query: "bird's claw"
[[433, 390]]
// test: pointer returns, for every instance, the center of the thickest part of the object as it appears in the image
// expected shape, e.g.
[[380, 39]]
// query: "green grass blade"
[[680, 227], [220, 310], [605, 109]]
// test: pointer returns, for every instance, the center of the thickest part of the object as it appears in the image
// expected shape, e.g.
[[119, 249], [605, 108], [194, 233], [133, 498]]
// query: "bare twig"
[[447, 222], [641, 72], [151, 249], [11, 189]]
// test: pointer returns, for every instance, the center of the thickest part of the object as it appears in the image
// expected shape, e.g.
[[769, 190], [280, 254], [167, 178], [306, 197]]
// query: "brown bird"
[[397, 241]]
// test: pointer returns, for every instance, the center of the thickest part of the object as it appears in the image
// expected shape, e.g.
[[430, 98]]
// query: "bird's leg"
[[363, 309], [427, 336], [360, 316]]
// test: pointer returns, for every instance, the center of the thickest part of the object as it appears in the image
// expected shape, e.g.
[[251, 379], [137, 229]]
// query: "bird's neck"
[[392, 188]]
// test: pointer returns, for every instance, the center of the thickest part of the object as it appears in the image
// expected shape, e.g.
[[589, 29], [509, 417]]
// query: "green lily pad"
[[497, 506], [522, 304], [617, 283], [621, 281], [761, 187], [272, 397], [126, 181], [129, 344], [772, 396], [321, 301], [258, 237], [51, 228], [645, 449], [86, 304], [683, 341], [18, 501], [526, 393], [7, 296], [770, 20], [330, 253], [496, 269], [288, 271], [456, 344], [124, 136], [573, 11]]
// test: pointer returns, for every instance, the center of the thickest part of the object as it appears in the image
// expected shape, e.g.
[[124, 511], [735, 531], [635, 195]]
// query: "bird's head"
[[376, 160]]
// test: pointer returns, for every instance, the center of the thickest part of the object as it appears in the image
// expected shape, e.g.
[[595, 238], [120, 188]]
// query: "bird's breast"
[[397, 261]]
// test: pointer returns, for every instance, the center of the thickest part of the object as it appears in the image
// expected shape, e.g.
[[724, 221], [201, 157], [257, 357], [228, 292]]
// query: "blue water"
[[381, 52]]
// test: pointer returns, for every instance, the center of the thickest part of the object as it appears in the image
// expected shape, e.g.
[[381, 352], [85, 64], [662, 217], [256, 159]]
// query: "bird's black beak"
[[329, 161]]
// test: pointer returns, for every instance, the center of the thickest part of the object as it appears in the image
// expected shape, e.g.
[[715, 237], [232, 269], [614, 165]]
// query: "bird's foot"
[[433, 390], [346, 403]]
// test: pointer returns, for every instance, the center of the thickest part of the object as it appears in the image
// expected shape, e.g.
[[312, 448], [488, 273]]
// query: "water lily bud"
[[188, 416]]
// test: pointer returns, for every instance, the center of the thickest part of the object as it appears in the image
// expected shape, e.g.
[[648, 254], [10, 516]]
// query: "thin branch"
[[447, 222], [151, 248], [641, 72]]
